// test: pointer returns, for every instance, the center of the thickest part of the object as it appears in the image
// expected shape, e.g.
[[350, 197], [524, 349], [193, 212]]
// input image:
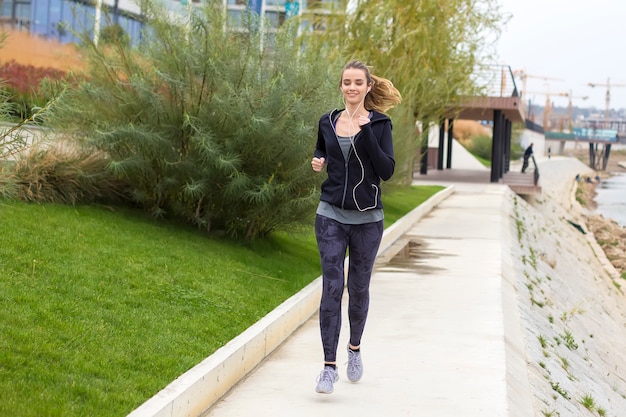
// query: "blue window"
[[40, 18], [6, 8]]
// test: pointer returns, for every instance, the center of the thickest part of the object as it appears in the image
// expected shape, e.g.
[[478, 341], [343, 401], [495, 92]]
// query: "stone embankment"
[[571, 299], [609, 234]]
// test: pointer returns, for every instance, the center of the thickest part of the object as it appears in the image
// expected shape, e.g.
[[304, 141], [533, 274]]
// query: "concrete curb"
[[198, 389], [519, 392]]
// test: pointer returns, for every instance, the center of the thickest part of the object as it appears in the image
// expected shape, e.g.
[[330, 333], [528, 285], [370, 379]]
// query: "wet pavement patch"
[[412, 256]]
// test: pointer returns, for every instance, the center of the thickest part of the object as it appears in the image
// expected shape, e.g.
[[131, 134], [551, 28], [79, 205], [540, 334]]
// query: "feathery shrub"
[[206, 122]]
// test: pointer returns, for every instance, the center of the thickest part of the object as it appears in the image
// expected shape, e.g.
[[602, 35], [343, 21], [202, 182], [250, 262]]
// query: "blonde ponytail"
[[383, 95]]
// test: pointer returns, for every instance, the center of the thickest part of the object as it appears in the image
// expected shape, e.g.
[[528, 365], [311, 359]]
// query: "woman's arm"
[[319, 155], [380, 150]]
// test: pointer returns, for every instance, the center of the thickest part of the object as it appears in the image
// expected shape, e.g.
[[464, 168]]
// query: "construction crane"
[[523, 75], [570, 108], [607, 99], [548, 106]]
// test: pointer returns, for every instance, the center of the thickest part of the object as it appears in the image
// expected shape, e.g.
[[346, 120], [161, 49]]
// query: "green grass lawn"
[[102, 308]]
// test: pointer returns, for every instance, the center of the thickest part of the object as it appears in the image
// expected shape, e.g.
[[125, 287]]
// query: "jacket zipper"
[[345, 182]]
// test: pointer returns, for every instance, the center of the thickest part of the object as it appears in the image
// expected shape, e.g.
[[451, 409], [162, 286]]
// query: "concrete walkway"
[[435, 343], [443, 337]]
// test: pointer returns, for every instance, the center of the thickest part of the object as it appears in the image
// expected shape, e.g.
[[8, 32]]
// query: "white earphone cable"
[[351, 137]]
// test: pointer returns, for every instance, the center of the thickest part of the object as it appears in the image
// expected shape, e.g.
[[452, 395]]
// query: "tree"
[[429, 48]]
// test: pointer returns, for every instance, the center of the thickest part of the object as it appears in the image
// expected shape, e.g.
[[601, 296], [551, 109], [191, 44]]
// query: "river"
[[611, 198]]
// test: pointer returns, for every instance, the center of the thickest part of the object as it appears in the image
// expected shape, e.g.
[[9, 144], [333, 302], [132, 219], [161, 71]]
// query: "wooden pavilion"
[[501, 106]]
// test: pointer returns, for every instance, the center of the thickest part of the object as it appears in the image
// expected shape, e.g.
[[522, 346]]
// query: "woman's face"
[[354, 85]]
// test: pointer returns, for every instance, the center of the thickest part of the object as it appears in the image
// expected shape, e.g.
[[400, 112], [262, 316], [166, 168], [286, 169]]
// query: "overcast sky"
[[578, 41]]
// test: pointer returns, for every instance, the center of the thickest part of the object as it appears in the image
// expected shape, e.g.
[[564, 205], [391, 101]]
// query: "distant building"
[[60, 20]]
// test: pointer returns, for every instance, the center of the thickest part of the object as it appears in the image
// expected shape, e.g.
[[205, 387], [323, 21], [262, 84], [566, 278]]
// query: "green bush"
[[516, 151], [481, 146], [206, 122]]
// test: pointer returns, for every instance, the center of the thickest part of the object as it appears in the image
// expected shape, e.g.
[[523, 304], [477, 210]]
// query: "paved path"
[[434, 344]]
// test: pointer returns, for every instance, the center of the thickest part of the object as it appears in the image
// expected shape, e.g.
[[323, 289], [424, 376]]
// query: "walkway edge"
[[198, 389], [519, 392]]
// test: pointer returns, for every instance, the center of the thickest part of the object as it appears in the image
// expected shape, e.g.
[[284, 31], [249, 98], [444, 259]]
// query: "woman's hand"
[[363, 120], [318, 164]]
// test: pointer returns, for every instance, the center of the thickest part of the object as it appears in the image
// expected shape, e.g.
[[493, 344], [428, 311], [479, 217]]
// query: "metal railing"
[[536, 172], [496, 81]]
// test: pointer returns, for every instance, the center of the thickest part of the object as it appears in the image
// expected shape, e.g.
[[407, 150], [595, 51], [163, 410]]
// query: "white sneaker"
[[355, 365], [325, 381]]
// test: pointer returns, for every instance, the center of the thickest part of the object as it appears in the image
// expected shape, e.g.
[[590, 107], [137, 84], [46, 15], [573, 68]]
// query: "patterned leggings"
[[362, 242]]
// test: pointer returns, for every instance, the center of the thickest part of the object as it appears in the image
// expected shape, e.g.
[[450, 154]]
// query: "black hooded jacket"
[[358, 177]]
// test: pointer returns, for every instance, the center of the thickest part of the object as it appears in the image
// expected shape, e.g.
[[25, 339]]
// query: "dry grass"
[[465, 130], [59, 174]]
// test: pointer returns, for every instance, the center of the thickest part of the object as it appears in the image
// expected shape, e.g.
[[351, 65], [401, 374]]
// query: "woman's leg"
[[332, 241], [364, 243]]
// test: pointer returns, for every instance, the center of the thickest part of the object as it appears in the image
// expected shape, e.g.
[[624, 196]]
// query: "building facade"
[[62, 20]]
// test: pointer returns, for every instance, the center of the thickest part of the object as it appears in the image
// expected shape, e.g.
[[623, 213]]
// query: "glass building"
[[62, 19]]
